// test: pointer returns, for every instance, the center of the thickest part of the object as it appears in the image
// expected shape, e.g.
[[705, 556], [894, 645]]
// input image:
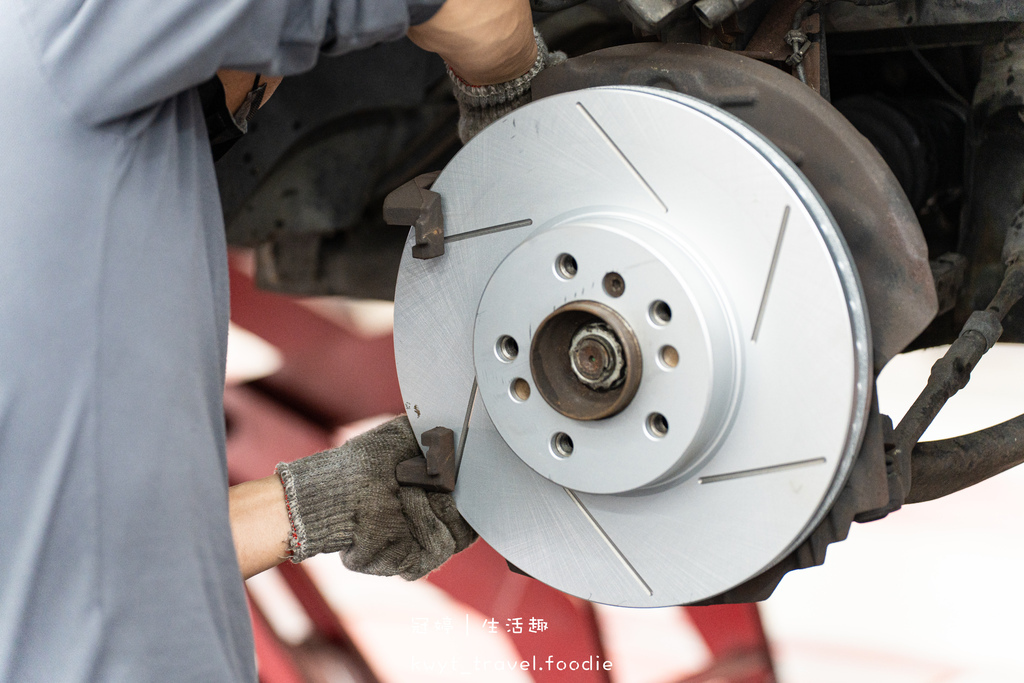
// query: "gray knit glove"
[[482, 105], [347, 499]]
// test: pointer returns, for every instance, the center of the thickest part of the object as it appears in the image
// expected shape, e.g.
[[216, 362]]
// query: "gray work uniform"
[[116, 557]]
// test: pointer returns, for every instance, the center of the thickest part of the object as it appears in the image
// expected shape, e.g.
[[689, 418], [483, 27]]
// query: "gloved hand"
[[482, 105], [347, 499]]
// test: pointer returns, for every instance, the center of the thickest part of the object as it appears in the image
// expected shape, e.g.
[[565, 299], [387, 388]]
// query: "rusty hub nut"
[[596, 357], [585, 360]]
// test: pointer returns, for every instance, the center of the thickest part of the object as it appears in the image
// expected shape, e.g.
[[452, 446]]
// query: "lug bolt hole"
[[657, 425], [565, 267], [660, 313], [506, 348], [561, 445], [668, 356], [614, 285], [519, 389]]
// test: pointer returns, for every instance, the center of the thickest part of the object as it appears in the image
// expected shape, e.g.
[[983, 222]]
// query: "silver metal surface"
[[764, 407], [616, 454]]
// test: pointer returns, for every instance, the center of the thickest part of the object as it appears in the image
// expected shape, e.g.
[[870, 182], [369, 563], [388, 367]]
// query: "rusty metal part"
[[792, 37], [943, 467], [1001, 81], [557, 371], [597, 358], [713, 12], [652, 15], [807, 41], [769, 40], [996, 188], [786, 23], [995, 178], [948, 271], [877, 221], [1013, 244], [436, 469], [414, 204], [950, 374]]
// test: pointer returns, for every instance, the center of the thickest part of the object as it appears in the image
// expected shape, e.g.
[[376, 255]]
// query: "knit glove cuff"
[[481, 105], [348, 500], [319, 511]]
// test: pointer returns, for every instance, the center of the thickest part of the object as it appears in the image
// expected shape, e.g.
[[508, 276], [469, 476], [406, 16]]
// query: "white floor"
[[932, 594]]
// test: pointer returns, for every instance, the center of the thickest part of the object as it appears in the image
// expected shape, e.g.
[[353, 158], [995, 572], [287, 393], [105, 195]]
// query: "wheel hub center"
[[596, 357], [586, 361]]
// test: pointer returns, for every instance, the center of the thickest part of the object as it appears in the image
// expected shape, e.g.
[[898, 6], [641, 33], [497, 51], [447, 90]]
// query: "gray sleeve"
[[110, 58]]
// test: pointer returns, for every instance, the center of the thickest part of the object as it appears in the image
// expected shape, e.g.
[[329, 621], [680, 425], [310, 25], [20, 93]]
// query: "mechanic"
[[119, 561]]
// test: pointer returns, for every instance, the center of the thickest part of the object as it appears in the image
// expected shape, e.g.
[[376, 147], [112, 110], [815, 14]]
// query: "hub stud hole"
[[660, 313], [561, 445], [565, 267], [614, 285], [657, 425], [506, 348], [519, 389], [668, 356]]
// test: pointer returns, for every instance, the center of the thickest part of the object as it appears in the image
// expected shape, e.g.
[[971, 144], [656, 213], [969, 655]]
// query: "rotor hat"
[[526, 300]]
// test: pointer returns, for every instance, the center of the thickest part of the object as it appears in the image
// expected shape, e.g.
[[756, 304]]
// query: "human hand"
[[348, 500], [492, 51], [482, 105], [484, 41]]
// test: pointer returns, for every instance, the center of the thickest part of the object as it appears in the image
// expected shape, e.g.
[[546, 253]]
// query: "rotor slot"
[[586, 361]]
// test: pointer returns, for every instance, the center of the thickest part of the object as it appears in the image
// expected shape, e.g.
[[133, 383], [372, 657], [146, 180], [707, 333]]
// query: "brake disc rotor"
[[649, 339]]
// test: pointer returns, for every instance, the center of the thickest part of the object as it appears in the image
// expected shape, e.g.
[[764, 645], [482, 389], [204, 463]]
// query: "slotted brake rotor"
[[649, 339]]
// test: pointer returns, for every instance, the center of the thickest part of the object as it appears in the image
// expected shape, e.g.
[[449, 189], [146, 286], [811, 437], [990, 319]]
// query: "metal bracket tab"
[[434, 471], [414, 204]]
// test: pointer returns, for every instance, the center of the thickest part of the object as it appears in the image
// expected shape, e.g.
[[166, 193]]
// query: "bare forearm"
[[483, 41], [259, 524]]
